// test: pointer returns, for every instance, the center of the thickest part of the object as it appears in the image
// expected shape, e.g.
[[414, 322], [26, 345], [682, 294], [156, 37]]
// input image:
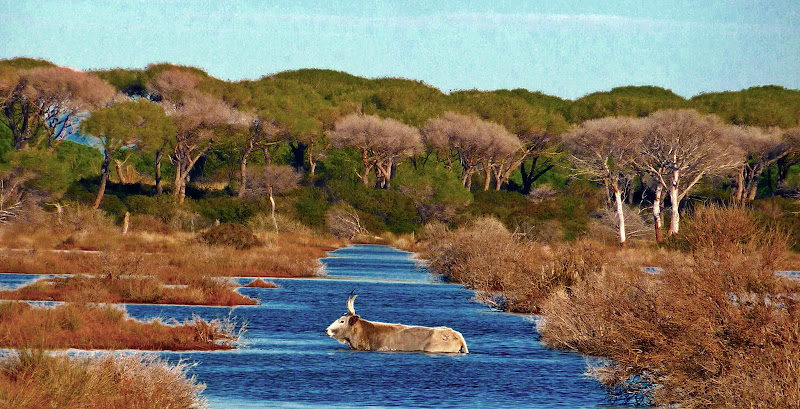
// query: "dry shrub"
[[259, 283], [721, 330], [344, 222], [541, 193], [201, 290], [507, 273], [262, 225], [88, 326], [34, 379], [149, 223], [230, 234]]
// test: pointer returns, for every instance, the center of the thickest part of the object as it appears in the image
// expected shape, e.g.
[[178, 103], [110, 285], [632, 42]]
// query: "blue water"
[[289, 361]]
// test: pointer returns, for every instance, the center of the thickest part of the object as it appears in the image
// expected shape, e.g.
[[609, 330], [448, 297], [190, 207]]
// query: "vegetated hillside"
[[226, 161], [764, 106]]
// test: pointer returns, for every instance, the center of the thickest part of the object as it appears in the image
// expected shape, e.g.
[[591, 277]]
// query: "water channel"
[[288, 361]]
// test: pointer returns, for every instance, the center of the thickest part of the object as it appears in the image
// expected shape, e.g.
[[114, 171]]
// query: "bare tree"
[[679, 148], [271, 181], [606, 150], [761, 149], [381, 142], [11, 193], [343, 222]]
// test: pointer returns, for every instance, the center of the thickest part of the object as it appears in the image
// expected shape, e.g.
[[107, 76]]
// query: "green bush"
[[226, 209], [310, 206], [114, 207], [230, 234], [162, 207]]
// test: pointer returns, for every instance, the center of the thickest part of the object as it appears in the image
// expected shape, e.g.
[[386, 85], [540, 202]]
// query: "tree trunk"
[[104, 171], [675, 220], [658, 222], [465, 180], [272, 210], [620, 215], [242, 176], [487, 181], [738, 194], [312, 167], [159, 187], [367, 167], [118, 169], [126, 222]]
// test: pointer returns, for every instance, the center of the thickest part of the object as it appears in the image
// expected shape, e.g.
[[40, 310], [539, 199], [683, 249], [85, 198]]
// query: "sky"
[[566, 48]]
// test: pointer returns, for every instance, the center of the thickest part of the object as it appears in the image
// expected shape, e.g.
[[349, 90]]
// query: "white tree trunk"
[[658, 222], [675, 220], [621, 216]]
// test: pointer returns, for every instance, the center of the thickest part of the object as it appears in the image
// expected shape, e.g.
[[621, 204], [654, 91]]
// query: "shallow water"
[[289, 361]]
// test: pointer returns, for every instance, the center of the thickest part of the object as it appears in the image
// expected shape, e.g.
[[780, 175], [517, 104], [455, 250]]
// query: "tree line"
[[642, 141]]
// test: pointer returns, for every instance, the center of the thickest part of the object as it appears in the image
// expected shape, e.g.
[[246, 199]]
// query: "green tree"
[[124, 125]]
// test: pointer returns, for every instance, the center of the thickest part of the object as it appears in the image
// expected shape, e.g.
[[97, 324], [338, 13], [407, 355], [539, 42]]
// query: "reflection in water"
[[290, 362]]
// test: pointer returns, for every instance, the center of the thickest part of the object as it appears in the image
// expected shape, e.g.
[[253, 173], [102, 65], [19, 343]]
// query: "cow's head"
[[340, 329]]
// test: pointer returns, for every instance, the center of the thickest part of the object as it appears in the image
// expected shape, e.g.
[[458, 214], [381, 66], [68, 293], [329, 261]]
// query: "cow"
[[360, 334]]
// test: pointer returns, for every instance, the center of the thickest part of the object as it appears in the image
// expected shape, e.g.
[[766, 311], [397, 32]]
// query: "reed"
[[87, 326], [35, 379]]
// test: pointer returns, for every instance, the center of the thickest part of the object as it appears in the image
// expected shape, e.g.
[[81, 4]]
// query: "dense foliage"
[[398, 153]]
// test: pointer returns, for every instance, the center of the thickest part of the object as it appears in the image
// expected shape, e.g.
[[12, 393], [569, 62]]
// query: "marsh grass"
[[35, 379], [88, 326], [717, 329], [137, 289]]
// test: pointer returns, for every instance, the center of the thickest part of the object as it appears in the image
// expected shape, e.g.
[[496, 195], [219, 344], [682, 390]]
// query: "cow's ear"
[[354, 319]]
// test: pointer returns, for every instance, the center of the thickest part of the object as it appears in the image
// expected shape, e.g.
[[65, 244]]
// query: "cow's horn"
[[350, 308]]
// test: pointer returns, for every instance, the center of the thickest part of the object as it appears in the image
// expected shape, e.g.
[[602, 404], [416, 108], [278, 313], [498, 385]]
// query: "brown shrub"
[[86, 326], [721, 330], [507, 273], [34, 379], [230, 234], [259, 283]]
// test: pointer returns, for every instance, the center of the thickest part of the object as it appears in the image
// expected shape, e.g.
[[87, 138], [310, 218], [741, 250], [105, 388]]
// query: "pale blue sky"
[[566, 48]]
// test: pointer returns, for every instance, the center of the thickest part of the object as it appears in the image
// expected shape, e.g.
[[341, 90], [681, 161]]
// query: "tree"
[[380, 141], [47, 99], [761, 149], [124, 125], [273, 180], [261, 134], [474, 143], [533, 118], [679, 148], [606, 150], [11, 192], [196, 116]]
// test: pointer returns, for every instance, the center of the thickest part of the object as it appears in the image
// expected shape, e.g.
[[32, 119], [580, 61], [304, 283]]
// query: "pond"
[[288, 361]]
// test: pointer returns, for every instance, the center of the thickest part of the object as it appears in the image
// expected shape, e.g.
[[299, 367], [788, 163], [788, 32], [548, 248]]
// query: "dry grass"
[[717, 330], [34, 379], [508, 273], [259, 283], [135, 268], [139, 289], [86, 326]]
